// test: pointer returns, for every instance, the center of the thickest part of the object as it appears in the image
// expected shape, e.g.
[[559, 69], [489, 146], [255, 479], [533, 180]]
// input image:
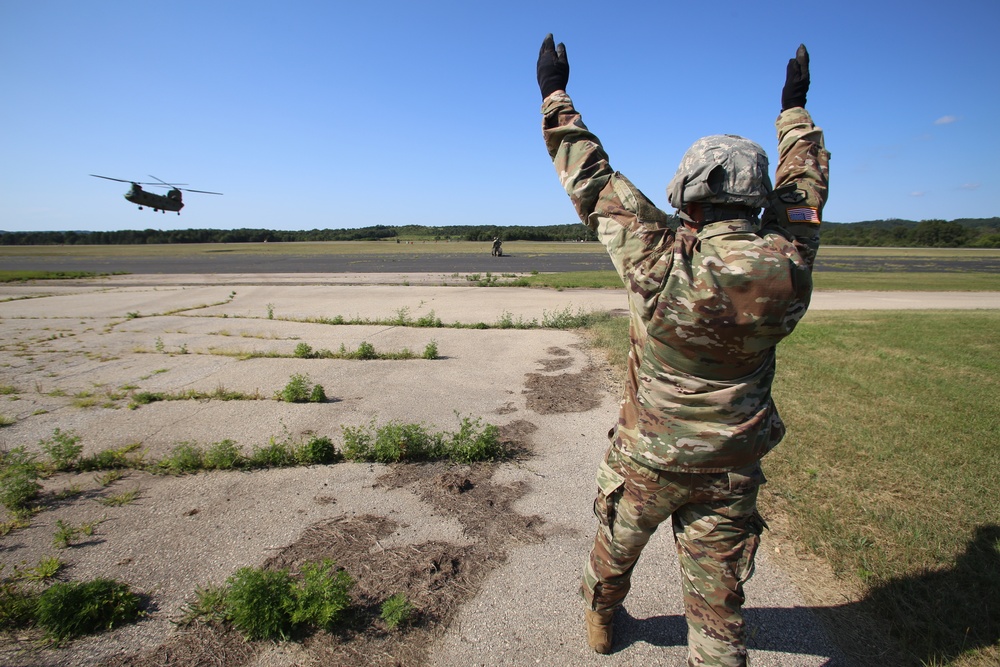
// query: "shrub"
[[19, 475], [303, 351], [72, 609], [365, 351], [317, 394], [317, 450], [223, 455], [259, 603], [110, 459], [296, 391], [322, 595], [431, 351], [474, 443], [275, 454], [63, 448], [183, 458], [396, 611]]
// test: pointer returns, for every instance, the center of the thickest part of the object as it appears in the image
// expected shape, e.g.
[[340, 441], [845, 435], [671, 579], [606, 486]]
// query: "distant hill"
[[961, 233]]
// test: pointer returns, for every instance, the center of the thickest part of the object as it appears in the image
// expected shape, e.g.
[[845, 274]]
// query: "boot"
[[599, 629]]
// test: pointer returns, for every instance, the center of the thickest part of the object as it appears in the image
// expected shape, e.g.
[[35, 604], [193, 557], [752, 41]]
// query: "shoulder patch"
[[803, 214], [792, 197]]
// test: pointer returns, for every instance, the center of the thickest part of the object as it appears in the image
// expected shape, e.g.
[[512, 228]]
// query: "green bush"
[[223, 455], [67, 610], [19, 475], [184, 458], [275, 454], [431, 351], [111, 459], [474, 442], [322, 595], [316, 450], [303, 351], [317, 394], [260, 603], [298, 390], [63, 448], [365, 351]]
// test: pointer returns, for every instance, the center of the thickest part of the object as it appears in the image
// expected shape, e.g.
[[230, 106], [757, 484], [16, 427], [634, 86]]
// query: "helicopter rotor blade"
[[120, 180], [204, 192]]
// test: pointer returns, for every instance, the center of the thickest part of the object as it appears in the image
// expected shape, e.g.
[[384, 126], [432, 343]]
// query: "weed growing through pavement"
[[396, 441], [66, 533], [270, 311], [63, 448], [301, 390], [431, 351], [272, 604], [19, 474], [7, 421], [121, 498], [72, 609]]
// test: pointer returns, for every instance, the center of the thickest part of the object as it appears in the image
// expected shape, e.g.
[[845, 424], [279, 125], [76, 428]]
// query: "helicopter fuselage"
[[169, 202]]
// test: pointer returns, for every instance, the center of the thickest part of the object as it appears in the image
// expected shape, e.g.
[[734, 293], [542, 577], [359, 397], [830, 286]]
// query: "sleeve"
[[795, 208], [633, 230]]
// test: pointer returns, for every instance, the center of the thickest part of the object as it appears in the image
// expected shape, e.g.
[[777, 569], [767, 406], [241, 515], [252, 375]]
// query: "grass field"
[[891, 468]]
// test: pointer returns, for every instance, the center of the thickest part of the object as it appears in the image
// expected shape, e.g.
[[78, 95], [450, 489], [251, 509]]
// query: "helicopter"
[[163, 203]]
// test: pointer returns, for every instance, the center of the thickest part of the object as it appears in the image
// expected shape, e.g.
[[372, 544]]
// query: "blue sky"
[[348, 114]]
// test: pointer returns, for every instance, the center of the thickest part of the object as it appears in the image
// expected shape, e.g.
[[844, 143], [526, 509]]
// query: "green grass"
[[891, 467], [23, 276]]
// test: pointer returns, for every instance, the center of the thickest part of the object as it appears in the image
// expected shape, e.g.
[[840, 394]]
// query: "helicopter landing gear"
[[140, 208]]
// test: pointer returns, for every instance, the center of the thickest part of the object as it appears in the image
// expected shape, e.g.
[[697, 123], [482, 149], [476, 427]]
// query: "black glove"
[[553, 68], [796, 80]]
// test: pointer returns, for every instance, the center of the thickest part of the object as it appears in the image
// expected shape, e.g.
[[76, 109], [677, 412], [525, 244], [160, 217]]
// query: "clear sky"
[[348, 114]]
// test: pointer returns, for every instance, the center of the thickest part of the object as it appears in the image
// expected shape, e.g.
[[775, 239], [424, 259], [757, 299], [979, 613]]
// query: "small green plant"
[[7, 421], [183, 349], [121, 498], [7, 389], [259, 603], [63, 448], [322, 595], [365, 351], [47, 568], [270, 311], [132, 314], [303, 351], [67, 610], [275, 454], [65, 534], [431, 351], [109, 477], [160, 347], [318, 450], [112, 459], [19, 475], [300, 390], [209, 604], [222, 455], [184, 458], [397, 611]]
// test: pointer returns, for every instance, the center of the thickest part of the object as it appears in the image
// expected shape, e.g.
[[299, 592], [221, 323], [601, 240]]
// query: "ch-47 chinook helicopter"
[[163, 203]]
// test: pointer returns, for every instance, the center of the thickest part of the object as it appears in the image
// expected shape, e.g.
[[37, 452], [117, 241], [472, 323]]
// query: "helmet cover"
[[721, 169]]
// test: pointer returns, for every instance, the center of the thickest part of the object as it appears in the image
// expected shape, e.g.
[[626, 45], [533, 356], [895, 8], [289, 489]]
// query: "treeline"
[[570, 232], [961, 233]]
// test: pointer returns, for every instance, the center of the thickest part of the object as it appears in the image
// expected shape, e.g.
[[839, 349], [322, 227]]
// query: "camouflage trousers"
[[716, 531]]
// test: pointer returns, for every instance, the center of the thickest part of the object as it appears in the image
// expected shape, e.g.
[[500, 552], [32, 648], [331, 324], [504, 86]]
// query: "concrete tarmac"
[[184, 332]]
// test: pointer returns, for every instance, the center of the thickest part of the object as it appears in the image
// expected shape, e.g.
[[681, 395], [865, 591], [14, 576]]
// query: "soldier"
[[708, 303]]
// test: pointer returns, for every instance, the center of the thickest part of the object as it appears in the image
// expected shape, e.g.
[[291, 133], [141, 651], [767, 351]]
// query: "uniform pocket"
[[609, 492]]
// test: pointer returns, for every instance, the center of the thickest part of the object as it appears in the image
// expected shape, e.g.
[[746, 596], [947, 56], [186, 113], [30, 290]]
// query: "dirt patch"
[[567, 392], [435, 576]]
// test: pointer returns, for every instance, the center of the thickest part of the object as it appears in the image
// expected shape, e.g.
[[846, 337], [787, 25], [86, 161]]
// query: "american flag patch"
[[803, 214]]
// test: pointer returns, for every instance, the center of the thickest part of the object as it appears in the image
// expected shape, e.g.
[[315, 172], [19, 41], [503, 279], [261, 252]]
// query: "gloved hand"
[[553, 68], [796, 80]]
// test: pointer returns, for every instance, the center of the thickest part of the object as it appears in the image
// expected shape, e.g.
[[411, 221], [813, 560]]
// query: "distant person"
[[497, 250], [708, 302]]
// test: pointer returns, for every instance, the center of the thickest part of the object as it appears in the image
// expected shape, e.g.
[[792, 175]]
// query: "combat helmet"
[[721, 169]]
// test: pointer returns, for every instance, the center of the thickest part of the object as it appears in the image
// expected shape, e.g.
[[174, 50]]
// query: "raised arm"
[[803, 174], [630, 226]]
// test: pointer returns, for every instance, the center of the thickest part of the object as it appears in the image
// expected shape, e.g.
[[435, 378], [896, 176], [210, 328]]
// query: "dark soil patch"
[[567, 392], [436, 577]]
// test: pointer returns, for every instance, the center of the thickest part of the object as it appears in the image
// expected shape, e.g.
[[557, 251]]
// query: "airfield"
[[491, 554]]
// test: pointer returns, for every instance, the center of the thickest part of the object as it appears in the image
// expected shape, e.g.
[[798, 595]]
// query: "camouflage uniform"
[[707, 308]]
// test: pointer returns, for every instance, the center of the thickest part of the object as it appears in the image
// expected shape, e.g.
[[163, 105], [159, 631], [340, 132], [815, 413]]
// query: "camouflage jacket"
[[707, 307]]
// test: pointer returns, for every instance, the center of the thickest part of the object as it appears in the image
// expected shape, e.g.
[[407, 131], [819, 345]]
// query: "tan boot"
[[600, 629]]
